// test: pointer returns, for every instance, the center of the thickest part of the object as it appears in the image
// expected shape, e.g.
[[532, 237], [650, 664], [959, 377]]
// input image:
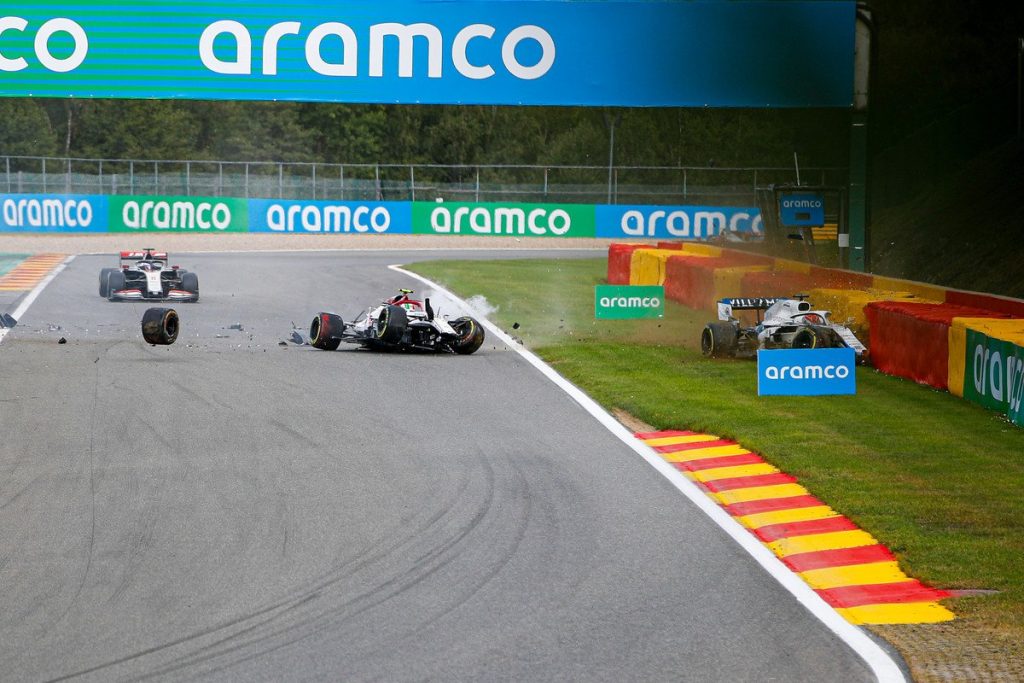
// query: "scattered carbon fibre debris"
[[62, 340], [284, 344], [7, 321], [54, 328], [515, 326], [220, 336], [236, 326], [298, 339]]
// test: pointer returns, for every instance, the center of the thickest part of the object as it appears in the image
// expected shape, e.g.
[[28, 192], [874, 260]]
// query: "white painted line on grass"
[[883, 666], [34, 294]]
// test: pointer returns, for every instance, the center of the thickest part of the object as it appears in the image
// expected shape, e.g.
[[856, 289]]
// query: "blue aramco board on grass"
[[806, 372], [741, 53]]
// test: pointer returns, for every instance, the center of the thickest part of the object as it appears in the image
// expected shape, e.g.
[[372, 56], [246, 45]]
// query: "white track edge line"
[[34, 294], [879, 661]]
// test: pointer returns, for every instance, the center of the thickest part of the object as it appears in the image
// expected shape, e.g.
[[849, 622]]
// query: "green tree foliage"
[[25, 129]]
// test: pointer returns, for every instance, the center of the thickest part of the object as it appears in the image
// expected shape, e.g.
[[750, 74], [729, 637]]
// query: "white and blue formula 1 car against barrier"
[[788, 323], [399, 323], [145, 275]]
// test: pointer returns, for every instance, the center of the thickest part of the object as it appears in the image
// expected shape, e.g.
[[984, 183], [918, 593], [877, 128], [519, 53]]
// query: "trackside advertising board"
[[53, 213], [739, 53], [519, 220], [994, 375], [621, 302], [136, 213], [676, 222], [806, 372], [325, 217]]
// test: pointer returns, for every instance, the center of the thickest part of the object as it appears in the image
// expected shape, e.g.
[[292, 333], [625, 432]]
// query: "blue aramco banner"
[[806, 372], [676, 222], [740, 53], [270, 215], [53, 213]]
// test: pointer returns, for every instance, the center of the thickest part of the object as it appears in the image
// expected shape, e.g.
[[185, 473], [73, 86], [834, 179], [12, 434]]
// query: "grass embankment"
[[933, 477]]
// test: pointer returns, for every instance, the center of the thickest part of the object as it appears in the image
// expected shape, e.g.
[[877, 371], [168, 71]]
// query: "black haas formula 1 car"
[[787, 324], [398, 323], [145, 275]]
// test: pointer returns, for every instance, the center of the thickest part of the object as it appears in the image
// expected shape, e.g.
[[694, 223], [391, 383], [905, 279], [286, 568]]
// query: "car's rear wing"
[[727, 306], [127, 256]]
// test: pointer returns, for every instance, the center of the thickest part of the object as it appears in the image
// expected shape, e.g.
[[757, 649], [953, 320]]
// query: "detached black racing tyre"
[[718, 340], [471, 335], [391, 324], [325, 331], [160, 326], [811, 338], [104, 277]]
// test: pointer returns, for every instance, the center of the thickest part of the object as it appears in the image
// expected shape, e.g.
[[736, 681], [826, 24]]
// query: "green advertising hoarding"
[[186, 214], [994, 375], [623, 302], [516, 220]]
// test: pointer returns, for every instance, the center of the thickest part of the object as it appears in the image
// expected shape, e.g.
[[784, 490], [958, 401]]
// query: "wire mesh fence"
[[402, 182]]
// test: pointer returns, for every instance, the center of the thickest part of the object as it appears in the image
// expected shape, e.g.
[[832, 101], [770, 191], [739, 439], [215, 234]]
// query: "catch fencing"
[[669, 185]]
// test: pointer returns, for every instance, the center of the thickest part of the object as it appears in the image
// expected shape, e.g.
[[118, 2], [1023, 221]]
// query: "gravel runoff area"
[[188, 242]]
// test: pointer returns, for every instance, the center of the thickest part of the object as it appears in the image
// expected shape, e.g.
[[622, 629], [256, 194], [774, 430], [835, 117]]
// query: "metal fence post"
[[314, 182], [376, 173], [478, 183], [247, 181], [131, 176], [44, 175], [67, 178], [220, 180], [341, 180], [412, 181], [545, 183], [8, 165], [156, 177], [280, 181], [684, 183], [100, 182], [188, 178]]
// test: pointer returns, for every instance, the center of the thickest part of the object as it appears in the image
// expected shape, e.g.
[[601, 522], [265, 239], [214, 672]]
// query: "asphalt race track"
[[228, 508]]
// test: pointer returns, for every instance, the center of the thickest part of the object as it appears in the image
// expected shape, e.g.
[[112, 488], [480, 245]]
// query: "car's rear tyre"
[[718, 340], [160, 326], [471, 335], [115, 281], [391, 324], [104, 277], [190, 283], [325, 331], [811, 338]]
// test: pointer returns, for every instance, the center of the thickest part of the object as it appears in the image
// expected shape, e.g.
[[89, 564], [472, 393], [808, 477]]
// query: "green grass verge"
[[936, 479]]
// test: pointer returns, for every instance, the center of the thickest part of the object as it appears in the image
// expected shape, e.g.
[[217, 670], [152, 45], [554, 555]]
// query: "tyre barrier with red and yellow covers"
[[923, 332]]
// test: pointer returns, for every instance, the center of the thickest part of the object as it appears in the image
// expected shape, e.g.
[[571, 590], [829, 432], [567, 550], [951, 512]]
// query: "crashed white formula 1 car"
[[145, 275], [399, 323], [787, 324]]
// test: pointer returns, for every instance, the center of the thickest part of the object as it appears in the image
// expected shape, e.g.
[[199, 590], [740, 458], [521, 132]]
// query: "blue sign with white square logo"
[[806, 372]]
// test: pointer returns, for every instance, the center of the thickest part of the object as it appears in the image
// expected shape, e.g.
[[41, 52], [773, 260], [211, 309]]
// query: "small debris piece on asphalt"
[[62, 340], [236, 326]]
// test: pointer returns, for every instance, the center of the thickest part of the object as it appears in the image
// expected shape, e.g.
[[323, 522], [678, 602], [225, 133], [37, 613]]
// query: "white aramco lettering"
[[41, 44], [404, 36]]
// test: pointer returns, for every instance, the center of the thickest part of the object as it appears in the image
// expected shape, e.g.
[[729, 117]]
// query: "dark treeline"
[[340, 133]]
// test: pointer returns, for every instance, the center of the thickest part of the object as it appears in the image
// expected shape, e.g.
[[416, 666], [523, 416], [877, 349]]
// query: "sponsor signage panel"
[[53, 213], [675, 222], [140, 213], [516, 220], [806, 372], [801, 209], [586, 52], [994, 375], [326, 217], [622, 302]]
